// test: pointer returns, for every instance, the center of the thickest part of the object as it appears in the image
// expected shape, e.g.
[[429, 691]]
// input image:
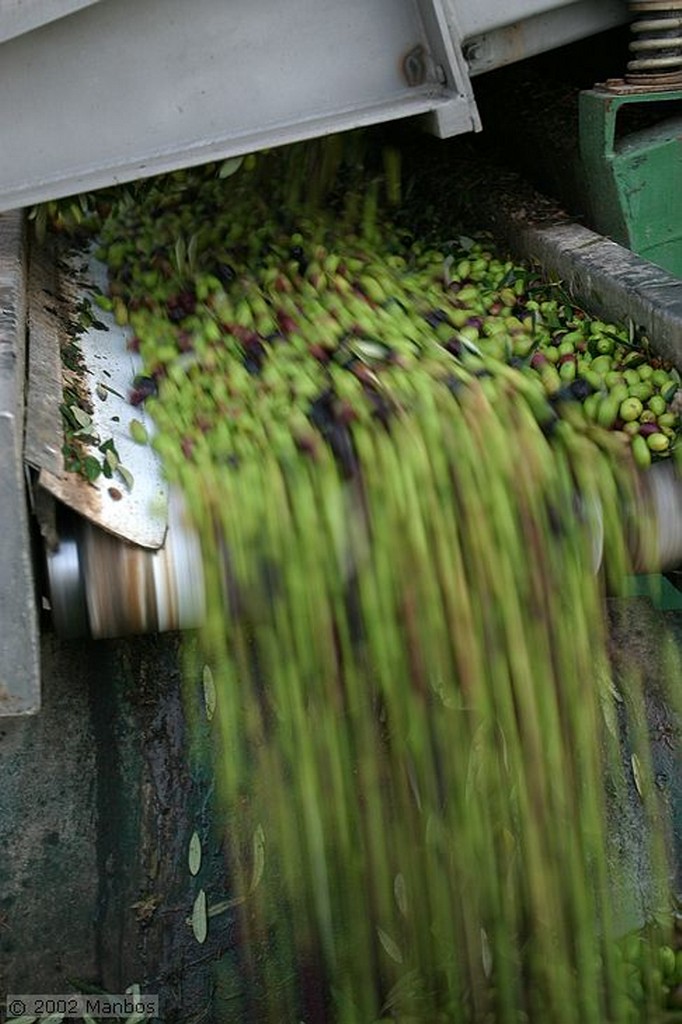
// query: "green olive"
[[660, 378], [601, 365], [658, 442], [607, 412], [666, 961], [643, 391], [630, 409], [642, 456], [657, 404]]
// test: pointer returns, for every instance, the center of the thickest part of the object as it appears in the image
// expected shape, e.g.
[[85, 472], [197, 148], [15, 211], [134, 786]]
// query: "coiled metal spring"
[[656, 42]]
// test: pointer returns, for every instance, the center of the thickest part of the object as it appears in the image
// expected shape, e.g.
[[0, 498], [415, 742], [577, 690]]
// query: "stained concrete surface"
[[98, 797]]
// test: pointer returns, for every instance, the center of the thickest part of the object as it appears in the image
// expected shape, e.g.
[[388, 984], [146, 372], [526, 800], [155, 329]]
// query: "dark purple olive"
[[286, 323], [143, 388], [187, 301], [454, 346], [204, 423], [538, 360], [580, 389], [175, 313], [319, 352], [307, 443]]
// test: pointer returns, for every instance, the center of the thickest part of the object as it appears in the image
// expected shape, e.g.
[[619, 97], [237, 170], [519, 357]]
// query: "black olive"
[[435, 317], [296, 252], [580, 389], [253, 365], [453, 384], [548, 424], [225, 273]]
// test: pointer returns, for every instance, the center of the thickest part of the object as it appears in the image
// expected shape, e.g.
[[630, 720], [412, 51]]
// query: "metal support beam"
[[19, 665], [123, 89]]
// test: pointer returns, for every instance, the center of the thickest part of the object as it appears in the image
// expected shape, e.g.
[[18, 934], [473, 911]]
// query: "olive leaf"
[[91, 468], [126, 476], [400, 893], [258, 857], [210, 695], [80, 416], [230, 166], [256, 875], [637, 773], [390, 946], [180, 253], [194, 854], [192, 252], [200, 917], [486, 954]]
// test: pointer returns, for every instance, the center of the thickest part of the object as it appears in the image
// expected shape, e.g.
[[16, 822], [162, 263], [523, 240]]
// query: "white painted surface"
[[126, 88], [19, 16]]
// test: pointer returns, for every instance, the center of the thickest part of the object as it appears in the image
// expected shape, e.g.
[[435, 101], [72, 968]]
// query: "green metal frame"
[[635, 182]]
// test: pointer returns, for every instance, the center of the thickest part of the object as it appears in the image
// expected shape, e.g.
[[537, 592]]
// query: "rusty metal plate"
[[132, 504]]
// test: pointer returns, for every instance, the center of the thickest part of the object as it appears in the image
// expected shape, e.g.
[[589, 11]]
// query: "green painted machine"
[[631, 140], [635, 179]]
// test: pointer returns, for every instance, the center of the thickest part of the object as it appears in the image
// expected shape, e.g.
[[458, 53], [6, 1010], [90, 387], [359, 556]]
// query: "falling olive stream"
[[397, 456]]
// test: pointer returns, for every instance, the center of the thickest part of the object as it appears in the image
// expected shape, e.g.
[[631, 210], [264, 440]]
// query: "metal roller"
[[102, 586]]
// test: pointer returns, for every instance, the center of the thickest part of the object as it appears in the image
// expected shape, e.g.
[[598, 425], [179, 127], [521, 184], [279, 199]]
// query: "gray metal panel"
[[476, 18], [494, 37], [124, 89], [19, 16], [19, 665]]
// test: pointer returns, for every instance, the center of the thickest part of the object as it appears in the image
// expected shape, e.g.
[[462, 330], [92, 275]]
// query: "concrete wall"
[[97, 803]]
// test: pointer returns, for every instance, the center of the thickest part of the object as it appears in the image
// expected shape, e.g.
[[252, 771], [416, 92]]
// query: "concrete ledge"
[[608, 279], [19, 664]]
